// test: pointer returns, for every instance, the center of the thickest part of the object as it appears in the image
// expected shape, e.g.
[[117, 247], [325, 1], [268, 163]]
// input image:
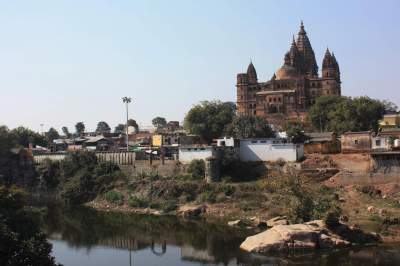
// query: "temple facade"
[[293, 88]]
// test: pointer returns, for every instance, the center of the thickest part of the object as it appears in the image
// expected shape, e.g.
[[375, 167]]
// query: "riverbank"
[[298, 195]]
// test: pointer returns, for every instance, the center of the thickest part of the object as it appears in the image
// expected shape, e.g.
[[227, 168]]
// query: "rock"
[[384, 196], [341, 199], [257, 222], [192, 212], [312, 235], [279, 220], [344, 218], [236, 223], [371, 209], [382, 212]]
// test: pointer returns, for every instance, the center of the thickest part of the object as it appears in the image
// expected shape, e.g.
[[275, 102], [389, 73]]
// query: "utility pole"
[[127, 100]]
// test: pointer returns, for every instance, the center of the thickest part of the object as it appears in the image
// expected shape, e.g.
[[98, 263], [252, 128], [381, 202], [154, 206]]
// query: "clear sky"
[[68, 61]]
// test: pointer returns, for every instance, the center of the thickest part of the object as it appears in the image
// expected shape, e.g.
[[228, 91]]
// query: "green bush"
[[197, 169], [115, 197], [137, 202], [208, 196]]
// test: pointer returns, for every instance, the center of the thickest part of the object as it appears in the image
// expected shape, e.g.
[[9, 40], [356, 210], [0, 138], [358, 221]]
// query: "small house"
[[356, 142], [324, 143], [262, 150]]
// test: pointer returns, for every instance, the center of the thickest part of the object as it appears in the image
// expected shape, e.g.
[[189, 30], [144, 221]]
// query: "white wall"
[[269, 151], [186, 155], [384, 143]]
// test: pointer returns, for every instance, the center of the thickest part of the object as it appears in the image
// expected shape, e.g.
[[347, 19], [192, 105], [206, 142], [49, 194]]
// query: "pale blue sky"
[[68, 61]]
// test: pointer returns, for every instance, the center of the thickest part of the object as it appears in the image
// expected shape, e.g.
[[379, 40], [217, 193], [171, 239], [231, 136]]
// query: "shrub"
[[332, 216], [208, 196], [228, 190], [168, 206], [137, 202], [115, 197], [197, 169]]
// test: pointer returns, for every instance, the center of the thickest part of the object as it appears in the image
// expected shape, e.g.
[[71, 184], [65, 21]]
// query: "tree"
[[390, 107], [80, 128], [21, 241], [159, 122], [295, 132], [102, 127], [120, 128], [341, 114], [24, 136], [209, 119], [66, 132], [132, 123], [6, 140], [51, 135], [247, 126]]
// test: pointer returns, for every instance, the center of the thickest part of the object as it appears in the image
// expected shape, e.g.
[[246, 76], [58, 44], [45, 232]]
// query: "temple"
[[293, 88]]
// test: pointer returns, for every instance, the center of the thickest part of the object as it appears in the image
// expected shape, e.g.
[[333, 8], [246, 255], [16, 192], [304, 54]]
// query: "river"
[[84, 237]]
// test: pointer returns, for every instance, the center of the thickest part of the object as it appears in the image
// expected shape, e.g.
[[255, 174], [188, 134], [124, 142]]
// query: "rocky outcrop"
[[308, 236], [192, 212], [279, 220]]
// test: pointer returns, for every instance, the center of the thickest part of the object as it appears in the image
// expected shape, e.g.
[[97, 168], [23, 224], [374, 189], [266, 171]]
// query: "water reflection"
[[86, 237]]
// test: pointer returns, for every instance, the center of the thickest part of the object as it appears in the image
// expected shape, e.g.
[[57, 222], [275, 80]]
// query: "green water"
[[85, 237]]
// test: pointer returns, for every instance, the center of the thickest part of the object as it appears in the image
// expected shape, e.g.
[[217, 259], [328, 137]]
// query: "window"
[[356, 141], [263, 141], [254, 141], [255, 112], [378, 142]]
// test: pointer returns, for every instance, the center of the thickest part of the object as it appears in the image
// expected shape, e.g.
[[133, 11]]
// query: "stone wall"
[[169, 168]]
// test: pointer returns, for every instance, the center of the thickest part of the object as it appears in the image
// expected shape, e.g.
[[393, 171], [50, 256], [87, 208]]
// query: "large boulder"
[[307, 236]]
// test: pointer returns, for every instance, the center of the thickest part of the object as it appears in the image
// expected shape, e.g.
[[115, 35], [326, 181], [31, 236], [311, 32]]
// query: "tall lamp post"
[[127, 100]]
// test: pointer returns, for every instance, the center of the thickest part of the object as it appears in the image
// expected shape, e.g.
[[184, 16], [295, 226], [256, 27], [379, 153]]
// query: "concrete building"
[[197, 152], [385, 140], [390, 121], [356, 142], [256, 150]]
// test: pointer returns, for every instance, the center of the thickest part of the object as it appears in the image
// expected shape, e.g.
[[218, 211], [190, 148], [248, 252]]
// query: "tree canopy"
[[80, 128], [209, 119], [120, 128], [249, 127], [295, 132], [159, 122], [22, 136], [66, 132], [51, 135], [21, 241], [132, 123], [341, 114], [102, 128]]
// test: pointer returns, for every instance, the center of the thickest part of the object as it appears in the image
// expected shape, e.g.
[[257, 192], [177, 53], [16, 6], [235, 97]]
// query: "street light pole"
[[127, 100]]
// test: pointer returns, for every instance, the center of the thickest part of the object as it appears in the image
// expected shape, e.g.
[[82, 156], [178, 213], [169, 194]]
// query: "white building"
[[195, 152], [226, 142], [256, 150]]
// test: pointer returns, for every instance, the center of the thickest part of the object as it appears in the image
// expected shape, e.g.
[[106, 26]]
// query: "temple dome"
[[286, 72]]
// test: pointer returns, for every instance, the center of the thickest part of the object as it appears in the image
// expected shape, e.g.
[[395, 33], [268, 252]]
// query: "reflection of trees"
[[83, 227]]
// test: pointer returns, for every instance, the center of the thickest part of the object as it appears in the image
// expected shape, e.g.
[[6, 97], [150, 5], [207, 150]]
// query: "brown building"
[[325, 143], [293, 88], [356, 142]]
